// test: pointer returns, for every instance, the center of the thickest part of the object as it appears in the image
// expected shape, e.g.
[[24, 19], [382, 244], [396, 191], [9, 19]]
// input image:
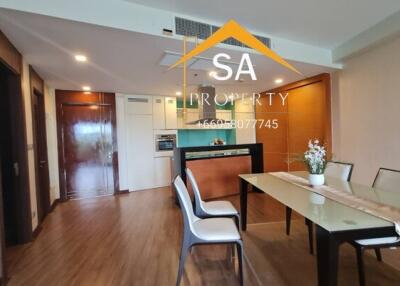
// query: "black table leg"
[[243, 203], [327, 258]]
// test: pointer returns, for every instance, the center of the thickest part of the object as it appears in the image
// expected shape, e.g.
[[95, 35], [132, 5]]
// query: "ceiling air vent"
[[202, 31], [187, 27]]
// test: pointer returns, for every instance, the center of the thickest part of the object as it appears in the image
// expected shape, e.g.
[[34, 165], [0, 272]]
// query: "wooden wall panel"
[[9, 54], [305, 116], [274, 140]]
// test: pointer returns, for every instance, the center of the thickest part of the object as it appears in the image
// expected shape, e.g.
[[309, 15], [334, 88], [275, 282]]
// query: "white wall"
[[366, 111], [122, 141], [52, 150], [51, 129]]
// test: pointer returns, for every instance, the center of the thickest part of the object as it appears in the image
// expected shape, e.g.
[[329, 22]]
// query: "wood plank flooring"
[[134, 239]]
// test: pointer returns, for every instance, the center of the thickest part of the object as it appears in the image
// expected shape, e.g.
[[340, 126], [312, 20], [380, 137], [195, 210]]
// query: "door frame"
[[68, 97], [19, 137], [37, 88], [12, 60]]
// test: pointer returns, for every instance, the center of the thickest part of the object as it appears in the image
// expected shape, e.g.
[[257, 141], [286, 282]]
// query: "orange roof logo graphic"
[[234, 30]]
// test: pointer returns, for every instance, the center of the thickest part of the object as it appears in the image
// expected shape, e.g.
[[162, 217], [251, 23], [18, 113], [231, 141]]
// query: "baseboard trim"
[[122, 192], [37, 231], [53, 205]]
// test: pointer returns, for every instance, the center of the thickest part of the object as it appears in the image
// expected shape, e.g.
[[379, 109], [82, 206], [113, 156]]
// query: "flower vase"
[[316, 179]]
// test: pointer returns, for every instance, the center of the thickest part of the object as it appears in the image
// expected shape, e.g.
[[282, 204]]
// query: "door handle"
[[16, 169], [42, 162]]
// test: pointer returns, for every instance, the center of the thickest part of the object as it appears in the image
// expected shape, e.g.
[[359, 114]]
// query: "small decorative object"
[[218, 141], [315, 160]]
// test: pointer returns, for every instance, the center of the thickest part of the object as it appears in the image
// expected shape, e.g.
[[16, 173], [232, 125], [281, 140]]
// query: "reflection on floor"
[[134, 239]]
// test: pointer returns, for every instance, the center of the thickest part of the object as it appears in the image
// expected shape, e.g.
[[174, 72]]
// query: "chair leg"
[[360, 265], [310, 235], [378, 253], [239, 246], [288, 219], [237, 221], [186, 245]]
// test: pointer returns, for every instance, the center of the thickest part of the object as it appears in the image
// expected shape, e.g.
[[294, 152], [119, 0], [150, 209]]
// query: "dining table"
[[335, 222]]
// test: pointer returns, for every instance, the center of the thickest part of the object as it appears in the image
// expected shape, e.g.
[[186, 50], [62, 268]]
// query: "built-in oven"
[[165, 142]]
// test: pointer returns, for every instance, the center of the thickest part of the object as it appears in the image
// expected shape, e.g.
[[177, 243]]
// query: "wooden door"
[[13, 152], [7, 163], [41, 160], [88, 150], [87, 144]]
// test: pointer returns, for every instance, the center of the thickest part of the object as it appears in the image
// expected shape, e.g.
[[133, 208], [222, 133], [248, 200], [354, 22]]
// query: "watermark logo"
[[232, 29]]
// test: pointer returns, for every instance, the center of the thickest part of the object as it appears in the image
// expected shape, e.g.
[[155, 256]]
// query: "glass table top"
[[327, 213]]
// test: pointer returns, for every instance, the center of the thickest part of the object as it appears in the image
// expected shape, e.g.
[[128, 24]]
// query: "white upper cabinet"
[[159, 115], [171, 120], [245, 116], [224, 114], [139, 104]]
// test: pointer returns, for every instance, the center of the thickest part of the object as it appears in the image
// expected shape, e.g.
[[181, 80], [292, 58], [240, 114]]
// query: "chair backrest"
[[195, 188], [339, 170], [387, 179], [185, 202]]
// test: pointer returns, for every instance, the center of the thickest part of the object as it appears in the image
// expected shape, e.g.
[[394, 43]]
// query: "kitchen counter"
[[216, 153], [216, 168]]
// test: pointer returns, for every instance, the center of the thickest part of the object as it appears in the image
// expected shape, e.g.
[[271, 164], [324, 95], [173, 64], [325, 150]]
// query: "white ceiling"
[[323, 23], [121, 61]]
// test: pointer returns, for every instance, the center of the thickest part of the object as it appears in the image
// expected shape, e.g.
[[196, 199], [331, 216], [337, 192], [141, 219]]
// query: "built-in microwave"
[[165, 142]]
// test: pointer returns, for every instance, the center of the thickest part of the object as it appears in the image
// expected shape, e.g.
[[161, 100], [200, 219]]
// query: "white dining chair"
[[387, 180], [339, 170], [334, 169], [204, 231], [213, 208]]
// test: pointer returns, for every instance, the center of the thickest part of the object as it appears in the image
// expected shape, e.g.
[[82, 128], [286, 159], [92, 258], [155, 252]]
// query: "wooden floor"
[[134, 239]]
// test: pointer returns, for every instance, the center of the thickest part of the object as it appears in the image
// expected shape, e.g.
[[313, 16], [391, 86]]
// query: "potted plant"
[[315, 160]]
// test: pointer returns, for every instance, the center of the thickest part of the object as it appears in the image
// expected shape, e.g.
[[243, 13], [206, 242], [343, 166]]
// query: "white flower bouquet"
[[315, 158]]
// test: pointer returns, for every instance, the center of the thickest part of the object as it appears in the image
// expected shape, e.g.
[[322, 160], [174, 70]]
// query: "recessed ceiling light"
[[86, 88], [278, 80], [212, 73], [178, 93], [80, 58]]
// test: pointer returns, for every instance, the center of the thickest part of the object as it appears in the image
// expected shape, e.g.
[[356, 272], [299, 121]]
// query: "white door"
[[140, 151]]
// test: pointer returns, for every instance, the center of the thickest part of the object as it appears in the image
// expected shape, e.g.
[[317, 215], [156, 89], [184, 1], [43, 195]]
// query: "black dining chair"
[[334, 169], [386, 180], [204, 231]]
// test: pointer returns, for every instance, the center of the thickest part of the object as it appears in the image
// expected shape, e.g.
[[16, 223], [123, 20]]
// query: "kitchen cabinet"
[[139, 104], [171, 118], [162, 171], [245, 125], [140, 119], [192, 114], [159, 118], [224, 114]]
